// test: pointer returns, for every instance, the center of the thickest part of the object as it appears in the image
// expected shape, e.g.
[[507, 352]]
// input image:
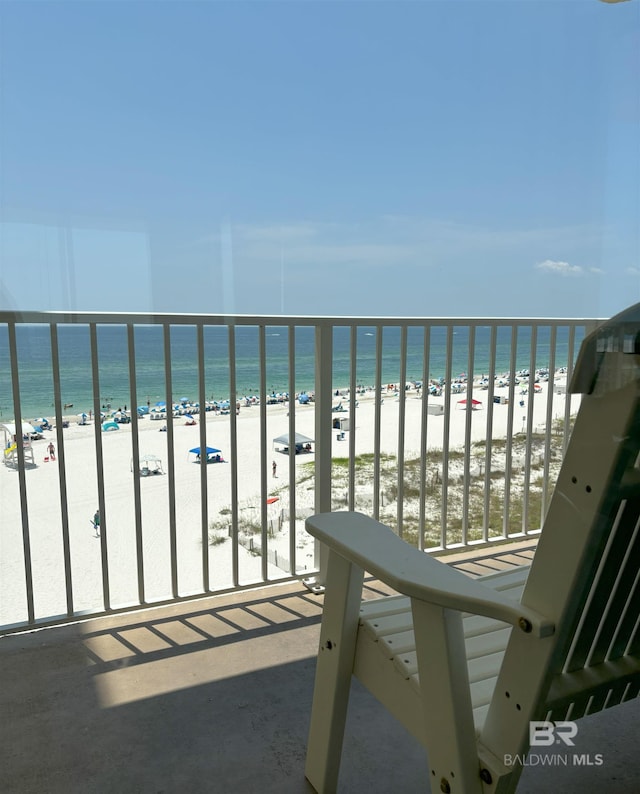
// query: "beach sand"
[[118, 537]]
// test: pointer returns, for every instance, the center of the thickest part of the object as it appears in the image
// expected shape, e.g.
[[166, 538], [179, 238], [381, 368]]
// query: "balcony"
[[171, 650]]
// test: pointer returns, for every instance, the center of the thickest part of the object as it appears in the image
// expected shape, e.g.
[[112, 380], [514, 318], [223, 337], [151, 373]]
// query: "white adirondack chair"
[[467, 665]]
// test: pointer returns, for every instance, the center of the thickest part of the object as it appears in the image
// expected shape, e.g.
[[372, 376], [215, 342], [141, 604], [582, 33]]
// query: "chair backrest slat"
[[609, 596], [625, 639], [633, 648]]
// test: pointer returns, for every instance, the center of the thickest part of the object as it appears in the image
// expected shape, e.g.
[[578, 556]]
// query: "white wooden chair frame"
[[467, 664]]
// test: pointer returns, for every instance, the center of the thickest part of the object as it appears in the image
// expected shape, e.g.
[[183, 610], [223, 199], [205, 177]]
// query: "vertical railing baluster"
[[204, 492], [233, 429], [353, 364], [135, 453], [323, 398], [292, 458], [466, 476], [424, 426], [262, 354], [377, 424], [549, 429], [567, 402], [402, 396], [526, 484], [509, 441], [22, 483], [173, 531], [97, 428], [62, 466], [488, 452], [444, 540]]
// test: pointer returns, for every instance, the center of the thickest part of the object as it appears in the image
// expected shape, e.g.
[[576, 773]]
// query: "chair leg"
[[446, 698], [333, 672]]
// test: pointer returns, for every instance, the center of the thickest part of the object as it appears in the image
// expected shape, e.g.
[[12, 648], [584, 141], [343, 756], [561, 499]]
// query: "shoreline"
[[250, 399]]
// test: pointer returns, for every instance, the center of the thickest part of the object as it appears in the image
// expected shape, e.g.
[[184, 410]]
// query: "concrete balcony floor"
[[214, 696]]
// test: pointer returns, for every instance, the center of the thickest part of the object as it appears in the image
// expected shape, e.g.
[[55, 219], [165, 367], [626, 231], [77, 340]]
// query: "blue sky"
[[351, 158]]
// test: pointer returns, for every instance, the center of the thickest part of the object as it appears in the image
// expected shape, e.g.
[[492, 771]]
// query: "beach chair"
[[479, 669]]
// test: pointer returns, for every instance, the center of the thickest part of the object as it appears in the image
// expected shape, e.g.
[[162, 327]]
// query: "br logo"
[[544, 734]]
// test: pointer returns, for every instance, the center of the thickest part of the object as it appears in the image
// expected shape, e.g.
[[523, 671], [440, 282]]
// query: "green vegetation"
[[487, 492], [422, 479]]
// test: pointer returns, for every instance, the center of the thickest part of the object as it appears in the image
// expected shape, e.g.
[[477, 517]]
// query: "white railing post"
[[323, 400]]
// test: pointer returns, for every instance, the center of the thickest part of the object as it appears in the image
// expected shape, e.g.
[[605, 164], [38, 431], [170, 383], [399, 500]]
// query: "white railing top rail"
[[63, 317]]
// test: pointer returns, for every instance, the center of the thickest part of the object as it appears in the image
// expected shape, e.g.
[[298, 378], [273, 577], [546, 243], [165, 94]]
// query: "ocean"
[[36, 375]]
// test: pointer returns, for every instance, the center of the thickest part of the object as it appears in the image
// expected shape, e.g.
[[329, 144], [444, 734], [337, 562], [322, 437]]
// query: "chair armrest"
[[377, 549]]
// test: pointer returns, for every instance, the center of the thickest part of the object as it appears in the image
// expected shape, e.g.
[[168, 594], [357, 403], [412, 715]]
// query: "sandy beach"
[[118, 539]]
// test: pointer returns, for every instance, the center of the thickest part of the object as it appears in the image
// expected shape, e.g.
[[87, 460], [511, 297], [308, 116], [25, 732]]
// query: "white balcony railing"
[[381, 400]]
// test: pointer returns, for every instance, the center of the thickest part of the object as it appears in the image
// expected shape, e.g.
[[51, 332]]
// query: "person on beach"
[[51, 450], [274, 468], [96, 521]]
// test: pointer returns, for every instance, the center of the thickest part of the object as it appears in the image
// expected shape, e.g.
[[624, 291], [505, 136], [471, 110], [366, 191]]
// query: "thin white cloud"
[[598, 271], [392, 240], [632, 271], [560, 268], [283, 233]]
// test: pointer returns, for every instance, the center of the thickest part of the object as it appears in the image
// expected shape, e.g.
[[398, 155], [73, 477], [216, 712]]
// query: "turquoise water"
[[36, 376]]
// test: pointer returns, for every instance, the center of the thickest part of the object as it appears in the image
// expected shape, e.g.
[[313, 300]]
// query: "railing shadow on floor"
[[215, 697]]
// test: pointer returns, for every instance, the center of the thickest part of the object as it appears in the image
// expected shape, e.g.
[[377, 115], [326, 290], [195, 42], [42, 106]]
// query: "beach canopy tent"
[[149, 464], [303, 398], [299, 440], [110, 426], [213, 455]]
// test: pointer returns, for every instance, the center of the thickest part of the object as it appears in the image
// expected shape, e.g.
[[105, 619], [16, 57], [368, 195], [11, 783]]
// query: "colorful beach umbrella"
[[474, 402]]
